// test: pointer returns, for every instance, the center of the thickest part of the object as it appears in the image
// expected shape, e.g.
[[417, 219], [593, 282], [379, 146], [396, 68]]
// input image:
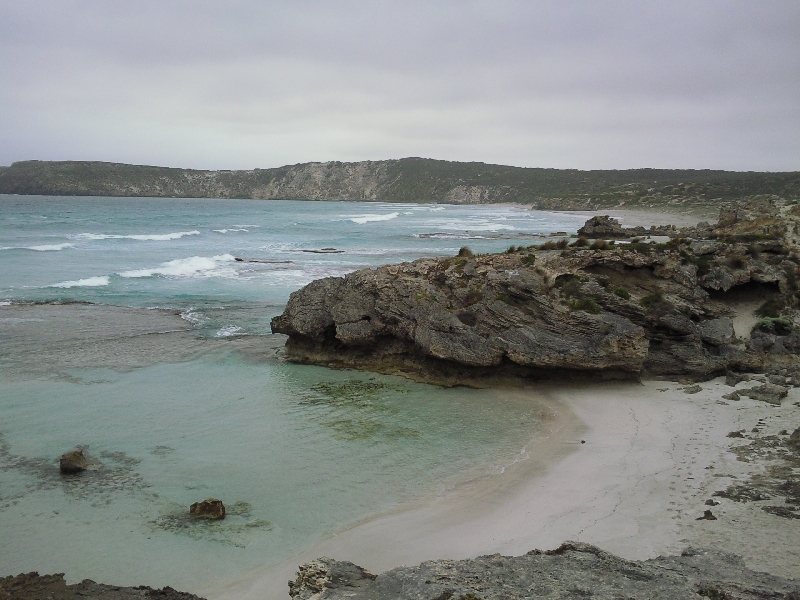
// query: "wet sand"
[[652, 456]]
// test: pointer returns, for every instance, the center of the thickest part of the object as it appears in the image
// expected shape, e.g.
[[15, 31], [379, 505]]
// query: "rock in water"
[[208, 509], [73, 462]]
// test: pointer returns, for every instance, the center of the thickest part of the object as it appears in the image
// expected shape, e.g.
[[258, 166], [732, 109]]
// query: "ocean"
[[138, 330]]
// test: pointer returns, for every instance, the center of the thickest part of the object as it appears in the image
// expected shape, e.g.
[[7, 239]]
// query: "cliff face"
[[404, 180], [606, 311]]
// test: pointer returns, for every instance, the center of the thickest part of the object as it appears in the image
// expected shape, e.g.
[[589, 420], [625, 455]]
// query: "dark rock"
[[712, 502], [781, 511], [732, 379], [73, 462], [769, 392], [794, 440], [716, 332], [574, 570], [732, 396], [208, 509], [692, 389], [707, 516], [32, 586], [602, 227], [735, 434]]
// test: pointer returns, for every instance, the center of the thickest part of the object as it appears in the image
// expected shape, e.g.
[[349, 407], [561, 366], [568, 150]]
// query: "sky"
[[257, 84]]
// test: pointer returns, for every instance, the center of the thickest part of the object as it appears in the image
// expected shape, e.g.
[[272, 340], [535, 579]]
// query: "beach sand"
[[652, 456]]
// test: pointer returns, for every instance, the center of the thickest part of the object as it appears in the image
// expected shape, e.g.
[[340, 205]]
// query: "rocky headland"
[[405, 180], [687, 303]]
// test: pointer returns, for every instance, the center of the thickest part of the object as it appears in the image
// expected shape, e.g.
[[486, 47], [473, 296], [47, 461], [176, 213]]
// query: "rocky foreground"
[[32, 586], [574, 570], [593, 309]]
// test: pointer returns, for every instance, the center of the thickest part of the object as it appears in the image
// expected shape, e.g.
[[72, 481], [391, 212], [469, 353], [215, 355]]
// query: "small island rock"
[[73, 462], [208, 509]]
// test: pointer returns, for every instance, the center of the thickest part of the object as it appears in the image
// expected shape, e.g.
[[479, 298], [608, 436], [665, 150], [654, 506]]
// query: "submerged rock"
[[210, 508], [73, 462]]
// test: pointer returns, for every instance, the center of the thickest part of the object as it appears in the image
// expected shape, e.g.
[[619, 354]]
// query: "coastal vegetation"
[[406, 180]]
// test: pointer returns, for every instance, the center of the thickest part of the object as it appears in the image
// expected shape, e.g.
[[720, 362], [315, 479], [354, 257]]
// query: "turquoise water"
[[196, 407]]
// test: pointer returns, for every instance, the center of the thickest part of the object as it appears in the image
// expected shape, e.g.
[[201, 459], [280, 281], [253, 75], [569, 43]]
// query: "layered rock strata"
[[602, 310], [574, 570]]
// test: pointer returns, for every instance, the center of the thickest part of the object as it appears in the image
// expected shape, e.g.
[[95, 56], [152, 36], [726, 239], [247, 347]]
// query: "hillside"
[[403, 180]]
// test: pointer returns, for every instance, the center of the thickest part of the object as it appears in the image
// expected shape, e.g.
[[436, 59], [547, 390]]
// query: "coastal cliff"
[[404, 180], [582, 309]]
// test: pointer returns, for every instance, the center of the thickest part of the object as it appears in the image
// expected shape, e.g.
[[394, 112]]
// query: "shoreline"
[[635, 488]]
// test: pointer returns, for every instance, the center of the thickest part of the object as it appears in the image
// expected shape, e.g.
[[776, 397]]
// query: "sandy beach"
[[627, 467], [646, 218]]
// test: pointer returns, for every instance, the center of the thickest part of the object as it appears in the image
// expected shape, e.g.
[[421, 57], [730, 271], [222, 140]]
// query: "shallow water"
[[189, 401]]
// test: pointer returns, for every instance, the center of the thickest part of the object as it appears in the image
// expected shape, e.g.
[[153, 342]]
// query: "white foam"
[[232, 229], [194, 317], [474, 226], [194, 266], [5, 303], [156, 237], [88, 282], [51, 247], [228, 331], [371, 217]]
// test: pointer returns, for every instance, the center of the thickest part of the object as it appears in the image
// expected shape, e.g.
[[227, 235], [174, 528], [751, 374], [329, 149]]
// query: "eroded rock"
[[73, 462], [210, 508]]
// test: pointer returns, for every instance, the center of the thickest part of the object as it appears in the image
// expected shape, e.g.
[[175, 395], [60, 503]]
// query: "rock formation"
[[606, 310], [574, 570], [602, 227], [210, 508], [32, 586], [73, 462]]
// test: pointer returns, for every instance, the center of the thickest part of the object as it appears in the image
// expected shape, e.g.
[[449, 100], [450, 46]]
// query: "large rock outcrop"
[[574, 570], [610, 311]]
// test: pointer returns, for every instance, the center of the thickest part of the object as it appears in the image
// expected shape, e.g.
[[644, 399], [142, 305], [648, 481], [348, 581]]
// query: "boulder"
[[769, 392], [602, 227], [210, 508], [73, 462], [717, 332]]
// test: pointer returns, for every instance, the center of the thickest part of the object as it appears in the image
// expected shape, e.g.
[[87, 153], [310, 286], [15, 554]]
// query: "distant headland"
[[405, 180]]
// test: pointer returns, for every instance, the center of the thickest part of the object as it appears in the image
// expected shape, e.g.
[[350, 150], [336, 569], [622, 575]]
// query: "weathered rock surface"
[[73, 462], [32, 586], [602, 226], [574, 570], [617, 311], [769, 392], [210, 508]]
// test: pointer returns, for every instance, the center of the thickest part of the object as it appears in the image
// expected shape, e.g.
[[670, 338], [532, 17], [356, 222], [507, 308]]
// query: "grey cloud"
[[245, 84]]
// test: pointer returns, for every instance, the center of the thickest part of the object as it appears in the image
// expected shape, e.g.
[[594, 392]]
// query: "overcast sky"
[[244, 84]]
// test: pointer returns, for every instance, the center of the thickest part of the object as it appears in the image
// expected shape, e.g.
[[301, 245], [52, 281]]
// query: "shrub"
[[585, 304], [529, 259], [511, 249], [778, 326], [562, 244], [581, 242], [599, 245], [550, 245], [465, 252], [651, 298], [622, 293]]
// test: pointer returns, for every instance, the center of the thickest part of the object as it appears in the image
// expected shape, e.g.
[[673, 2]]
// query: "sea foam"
[[194, 266], [156, 237], [88, 282], [369, 218]]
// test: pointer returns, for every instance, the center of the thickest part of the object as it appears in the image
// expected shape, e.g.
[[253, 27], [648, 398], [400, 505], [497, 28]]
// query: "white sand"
[[634, 488]]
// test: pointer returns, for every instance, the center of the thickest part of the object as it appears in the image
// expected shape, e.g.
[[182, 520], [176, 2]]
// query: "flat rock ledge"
[[597, 311], [32, 586], [574, 570]]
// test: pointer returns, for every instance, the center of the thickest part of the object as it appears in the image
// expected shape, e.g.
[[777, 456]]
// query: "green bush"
[[585, 304], [651, 298], [622, 293]]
